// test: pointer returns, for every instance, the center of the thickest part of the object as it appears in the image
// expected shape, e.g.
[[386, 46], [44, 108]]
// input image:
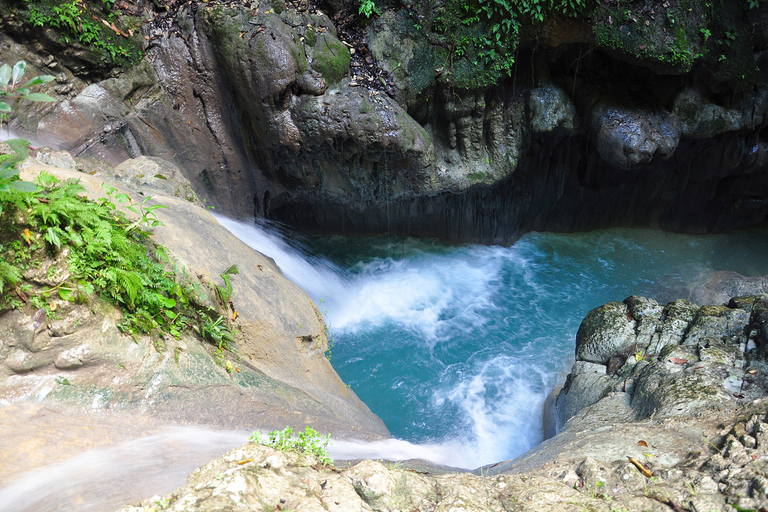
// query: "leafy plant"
[[109, 255], [11, 87], [225, 292], [217, 333], [482, 35], [309, 442], [75, 19], [368, 8]]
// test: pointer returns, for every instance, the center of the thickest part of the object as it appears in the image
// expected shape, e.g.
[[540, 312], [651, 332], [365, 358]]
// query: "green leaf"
[[170, 303], [52, 237], [39, 96], [66, 294], [19, 146], [5, 75], [24, 186], [18, 71], [232, 270], [42, 79], [6, 173], [4, 107]]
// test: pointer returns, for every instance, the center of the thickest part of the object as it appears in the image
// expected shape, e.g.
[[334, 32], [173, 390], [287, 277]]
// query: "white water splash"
[[439, 298]]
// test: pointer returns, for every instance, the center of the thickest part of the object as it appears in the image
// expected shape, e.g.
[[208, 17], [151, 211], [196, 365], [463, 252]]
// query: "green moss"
[[477, 176], [84, 27], [302, 65], [331, 59], [226, 25], [674, 39], [277, 5], [310, 37], [480, 37], [421, 68]]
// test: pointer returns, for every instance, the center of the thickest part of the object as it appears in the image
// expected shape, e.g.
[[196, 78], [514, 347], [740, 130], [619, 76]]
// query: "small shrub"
[[309, 442], [368, 8]]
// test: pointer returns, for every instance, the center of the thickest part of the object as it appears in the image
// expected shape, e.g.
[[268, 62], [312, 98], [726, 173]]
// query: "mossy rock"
[[669, 39], [310, 37], [90, 49], [331, 58]]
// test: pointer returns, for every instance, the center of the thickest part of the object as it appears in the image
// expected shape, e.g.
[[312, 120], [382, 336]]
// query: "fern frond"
[[8, 274]]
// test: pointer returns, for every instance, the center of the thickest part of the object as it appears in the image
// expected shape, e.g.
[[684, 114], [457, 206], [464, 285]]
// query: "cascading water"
[[454, 347], [457, 347]]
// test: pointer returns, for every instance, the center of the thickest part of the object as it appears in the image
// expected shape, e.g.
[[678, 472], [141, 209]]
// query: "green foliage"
[[87, 22], [309, 442], [9, 274], [11, 87], [225, 292], [482, 35], [368, 8], [109, 255], [217, 333], [9, 174]]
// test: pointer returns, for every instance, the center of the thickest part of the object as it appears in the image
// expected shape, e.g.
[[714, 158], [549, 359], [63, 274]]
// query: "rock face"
[[278, 377], [258, 478], [686, 401], [642, 360], [261, 110]]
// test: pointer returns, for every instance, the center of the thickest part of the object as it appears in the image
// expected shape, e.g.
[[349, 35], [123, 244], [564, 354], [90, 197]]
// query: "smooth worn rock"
[[281, 378], [605, 332], [155, 174]]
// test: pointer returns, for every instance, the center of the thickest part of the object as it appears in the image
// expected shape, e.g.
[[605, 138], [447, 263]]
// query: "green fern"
[[8, 274]]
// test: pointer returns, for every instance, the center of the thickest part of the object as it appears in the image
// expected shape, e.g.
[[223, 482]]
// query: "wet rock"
[[586, 385], [677, 317], [702, 119], [627, 137], [549, 108], [723, 284]]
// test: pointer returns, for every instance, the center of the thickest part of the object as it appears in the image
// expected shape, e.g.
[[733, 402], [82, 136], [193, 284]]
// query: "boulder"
[[684, 360], [626, 137], [606, 332]]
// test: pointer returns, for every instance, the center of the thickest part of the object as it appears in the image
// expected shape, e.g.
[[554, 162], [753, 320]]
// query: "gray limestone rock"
[[282, 377], [606, 331], [152, 175], [586, 385], [703, 119]]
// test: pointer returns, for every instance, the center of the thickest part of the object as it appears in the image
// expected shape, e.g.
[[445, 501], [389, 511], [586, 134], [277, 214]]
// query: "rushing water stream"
[[457, 347], [454, 347]]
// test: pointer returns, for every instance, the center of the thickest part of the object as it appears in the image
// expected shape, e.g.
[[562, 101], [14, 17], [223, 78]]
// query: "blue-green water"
[[458, 346]]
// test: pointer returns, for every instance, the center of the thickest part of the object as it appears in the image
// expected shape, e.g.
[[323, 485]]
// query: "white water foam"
[[442, 299]]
